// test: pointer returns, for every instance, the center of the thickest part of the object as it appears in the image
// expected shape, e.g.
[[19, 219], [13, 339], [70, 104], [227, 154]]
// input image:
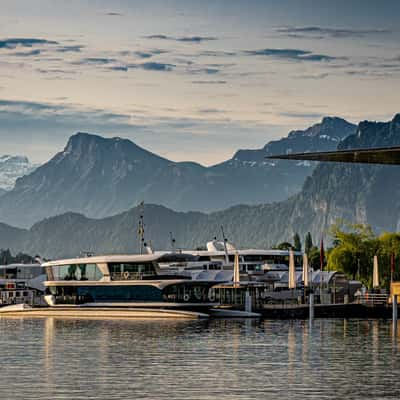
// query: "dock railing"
[[372, 299]]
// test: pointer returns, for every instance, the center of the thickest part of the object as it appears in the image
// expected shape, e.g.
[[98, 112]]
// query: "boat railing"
[[129, 276]]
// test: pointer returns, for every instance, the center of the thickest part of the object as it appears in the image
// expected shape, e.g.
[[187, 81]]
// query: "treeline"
[[313, 252], [352, 250], [7, 258]]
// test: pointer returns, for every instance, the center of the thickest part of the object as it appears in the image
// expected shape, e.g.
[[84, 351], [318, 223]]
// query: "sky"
[[191, 80]]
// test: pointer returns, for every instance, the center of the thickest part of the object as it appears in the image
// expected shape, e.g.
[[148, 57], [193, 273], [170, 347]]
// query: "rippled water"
[[218, 359]]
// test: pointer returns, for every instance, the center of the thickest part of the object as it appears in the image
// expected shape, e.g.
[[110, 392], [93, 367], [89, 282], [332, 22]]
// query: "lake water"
[[218, 359]]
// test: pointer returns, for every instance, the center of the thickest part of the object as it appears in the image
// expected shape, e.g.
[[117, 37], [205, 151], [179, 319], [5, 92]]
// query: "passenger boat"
[[220, 256], [121, 282]]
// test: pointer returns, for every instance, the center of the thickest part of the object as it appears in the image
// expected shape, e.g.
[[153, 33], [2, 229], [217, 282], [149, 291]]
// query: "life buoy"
[[186, 297], [197, 293], [126, 275]]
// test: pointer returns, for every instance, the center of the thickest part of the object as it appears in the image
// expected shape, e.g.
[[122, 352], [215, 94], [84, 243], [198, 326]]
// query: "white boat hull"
[[100, 313]]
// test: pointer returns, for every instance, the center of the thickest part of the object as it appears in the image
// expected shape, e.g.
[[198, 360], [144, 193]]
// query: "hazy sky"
[[191, 79]]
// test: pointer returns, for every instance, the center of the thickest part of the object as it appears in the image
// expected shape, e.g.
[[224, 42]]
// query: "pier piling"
[[311, 311], [394, 312], [248, 302]]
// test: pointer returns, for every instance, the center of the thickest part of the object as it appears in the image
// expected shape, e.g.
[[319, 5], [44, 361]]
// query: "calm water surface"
[[219, 359]]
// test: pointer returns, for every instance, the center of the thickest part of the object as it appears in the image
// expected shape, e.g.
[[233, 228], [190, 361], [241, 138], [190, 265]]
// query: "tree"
[[284, 246], [353, 251], [7, 258], [308, 244], [296, 242], [314, 258], [389, 243]]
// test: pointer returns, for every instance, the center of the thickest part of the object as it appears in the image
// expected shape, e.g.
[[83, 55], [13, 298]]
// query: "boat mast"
[[141, 244], [173, 241], [225, 247]]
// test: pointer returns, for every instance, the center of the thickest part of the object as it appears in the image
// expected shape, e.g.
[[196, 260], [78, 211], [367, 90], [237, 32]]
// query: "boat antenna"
[[225, 247], [141, 228], [173, 242]]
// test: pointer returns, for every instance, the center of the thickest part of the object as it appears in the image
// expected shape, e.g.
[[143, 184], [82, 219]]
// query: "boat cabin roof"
[[245, 252], [21, 266], [119, 258]]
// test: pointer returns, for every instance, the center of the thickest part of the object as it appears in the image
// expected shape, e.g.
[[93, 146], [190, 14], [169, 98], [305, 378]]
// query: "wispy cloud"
[[95, 61], [217, 53], [30, 53], [25, 105], [202, 70], [187, 39], [301, 115], [205, 82], [147, 66], [145, 53], [210, 111], [55, 71], [70, 49], [312, 76], [320, 32], [18, 113], [292, 54], [154, 66], [122, 68], [12, 43], [195, 39]]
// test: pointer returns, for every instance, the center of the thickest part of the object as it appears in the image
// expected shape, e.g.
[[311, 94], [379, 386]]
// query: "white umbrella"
[[375, 274], [305, 269], [292, 271], [236, 272]]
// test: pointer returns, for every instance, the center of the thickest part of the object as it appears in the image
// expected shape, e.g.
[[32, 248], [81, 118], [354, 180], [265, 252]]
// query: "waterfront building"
[[21, 284]]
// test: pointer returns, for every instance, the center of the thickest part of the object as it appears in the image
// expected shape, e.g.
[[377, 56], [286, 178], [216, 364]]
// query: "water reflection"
[[221, 359]]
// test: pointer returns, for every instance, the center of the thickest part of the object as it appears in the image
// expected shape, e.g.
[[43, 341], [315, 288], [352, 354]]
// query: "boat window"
[[30, 271], [131, 271], [74, 272], [192, 292], [253, 257], [8, 273], [89, 294]]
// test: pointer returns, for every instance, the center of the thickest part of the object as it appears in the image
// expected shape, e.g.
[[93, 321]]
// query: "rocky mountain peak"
[[374, 134], [85, 145], [323, 136], [333, 128], [13, 167]]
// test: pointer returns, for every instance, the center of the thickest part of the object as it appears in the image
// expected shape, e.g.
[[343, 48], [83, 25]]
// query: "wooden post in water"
[[394, 312], [311, 309], [247, 301]]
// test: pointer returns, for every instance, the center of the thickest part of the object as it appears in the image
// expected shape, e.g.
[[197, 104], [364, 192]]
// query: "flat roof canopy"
[[380, 155]]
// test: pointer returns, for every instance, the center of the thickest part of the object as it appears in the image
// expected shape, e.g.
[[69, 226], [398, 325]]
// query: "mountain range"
[[359, 193], [99, 177]]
